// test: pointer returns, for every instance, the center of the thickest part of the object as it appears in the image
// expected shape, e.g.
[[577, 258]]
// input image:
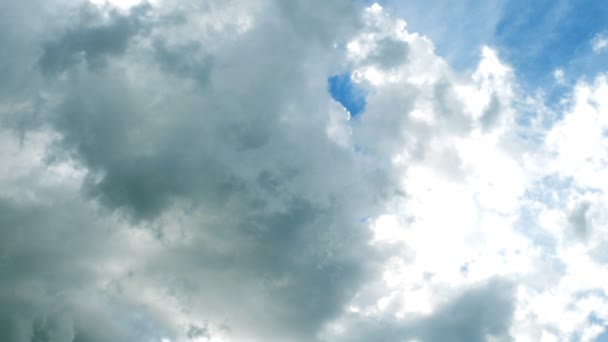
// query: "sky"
[[303, 171]]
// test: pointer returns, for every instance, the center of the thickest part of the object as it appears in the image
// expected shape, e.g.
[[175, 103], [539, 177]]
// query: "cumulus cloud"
[[180, 172], [214, 144]]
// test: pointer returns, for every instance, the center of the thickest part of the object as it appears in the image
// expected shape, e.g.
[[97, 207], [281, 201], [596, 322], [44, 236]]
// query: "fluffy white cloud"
[[475, 202]]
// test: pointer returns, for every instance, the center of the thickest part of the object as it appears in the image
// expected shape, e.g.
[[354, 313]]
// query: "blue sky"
[[541, 40], [347, 93], [536, 37]]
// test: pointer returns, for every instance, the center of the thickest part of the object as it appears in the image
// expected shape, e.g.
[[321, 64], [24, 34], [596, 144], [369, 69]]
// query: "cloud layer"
[[181, 172]]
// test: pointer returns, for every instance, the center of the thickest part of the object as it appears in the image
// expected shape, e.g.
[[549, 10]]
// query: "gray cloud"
[[94, 37], [480, 312], [389, 53], [209, 198], [274, 241], [475, 316], [578, 220], [491, 113], [187, 60], [49, 289]]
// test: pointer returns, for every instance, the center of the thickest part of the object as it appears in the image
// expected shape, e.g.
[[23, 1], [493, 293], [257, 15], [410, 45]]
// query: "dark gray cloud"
[[478, 313], [187, 60], [94, 37], [242, 152], [50, 286], [23, 26], [141, 156]]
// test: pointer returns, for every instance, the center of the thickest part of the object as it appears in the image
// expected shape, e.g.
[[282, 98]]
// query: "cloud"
[[481, 312], [202, 157], [59, 254], [180, 172], [457, 30], [599, 43], [93, 38]]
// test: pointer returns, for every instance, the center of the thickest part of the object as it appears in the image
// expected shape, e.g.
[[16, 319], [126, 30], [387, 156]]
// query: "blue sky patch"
[[603, 337], [346, 92], [535, 37], [539, 36]]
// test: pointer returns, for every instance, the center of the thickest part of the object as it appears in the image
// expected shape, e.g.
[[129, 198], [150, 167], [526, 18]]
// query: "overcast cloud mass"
[[270, 170]]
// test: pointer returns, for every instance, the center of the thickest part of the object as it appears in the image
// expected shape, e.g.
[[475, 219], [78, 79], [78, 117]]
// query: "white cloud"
[[559, 75], [467, 189], [599, 43]]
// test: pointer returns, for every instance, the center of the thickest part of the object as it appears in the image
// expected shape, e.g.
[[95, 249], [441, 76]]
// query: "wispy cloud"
[[599, 43]]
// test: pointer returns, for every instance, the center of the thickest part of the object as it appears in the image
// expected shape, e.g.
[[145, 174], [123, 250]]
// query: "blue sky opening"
[[347, 93]]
